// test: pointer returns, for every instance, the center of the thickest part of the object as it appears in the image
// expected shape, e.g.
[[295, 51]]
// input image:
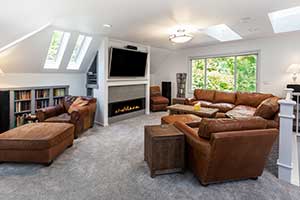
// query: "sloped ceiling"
[[143, 21], [29, 55]]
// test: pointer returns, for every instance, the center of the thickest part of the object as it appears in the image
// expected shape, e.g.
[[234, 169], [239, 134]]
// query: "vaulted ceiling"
[[143, 21]]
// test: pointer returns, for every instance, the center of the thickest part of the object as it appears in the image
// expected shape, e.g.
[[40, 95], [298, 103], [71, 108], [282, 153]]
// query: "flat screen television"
[[127, 63]]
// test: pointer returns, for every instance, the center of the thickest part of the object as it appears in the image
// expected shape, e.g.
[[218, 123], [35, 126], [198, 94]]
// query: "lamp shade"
[[294, 68]]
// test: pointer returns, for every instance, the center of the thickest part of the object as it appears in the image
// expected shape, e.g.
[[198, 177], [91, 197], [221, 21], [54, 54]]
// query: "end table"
[[164, 149]]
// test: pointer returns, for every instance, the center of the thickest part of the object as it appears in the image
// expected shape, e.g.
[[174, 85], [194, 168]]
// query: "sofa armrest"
[[79, 113], [45, 113], [190, 101], [200, 144]]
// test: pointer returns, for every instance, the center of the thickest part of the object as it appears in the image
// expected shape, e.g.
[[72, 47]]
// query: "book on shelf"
[[42, 93], [59, 92], [22, 106], [42, 104], [22, 95]]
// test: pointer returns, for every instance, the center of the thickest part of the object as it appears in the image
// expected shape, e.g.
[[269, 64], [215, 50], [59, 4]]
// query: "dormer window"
[[81, 47], [56, 49]]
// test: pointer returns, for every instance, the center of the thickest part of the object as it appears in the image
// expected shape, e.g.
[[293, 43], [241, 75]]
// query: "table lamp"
[[294, 69]]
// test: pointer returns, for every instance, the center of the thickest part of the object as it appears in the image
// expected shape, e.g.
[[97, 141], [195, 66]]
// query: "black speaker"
[[166, 90], [4, 111]]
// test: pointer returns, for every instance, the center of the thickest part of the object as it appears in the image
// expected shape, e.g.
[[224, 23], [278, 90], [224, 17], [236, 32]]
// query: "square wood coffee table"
[[164, 149], [186, 109]]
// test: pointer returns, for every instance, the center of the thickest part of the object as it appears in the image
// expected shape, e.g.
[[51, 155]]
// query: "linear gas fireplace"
[[124, 107]]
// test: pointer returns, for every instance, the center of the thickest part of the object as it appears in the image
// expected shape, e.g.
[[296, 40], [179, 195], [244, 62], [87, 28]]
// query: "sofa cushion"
[[268, 108], [63, 118], [223, 107], [241, 111], [206, 95], [35, 136], [224, 97], [189, 119], [159, 100], [68, 100], [208, 126], [250, 99]]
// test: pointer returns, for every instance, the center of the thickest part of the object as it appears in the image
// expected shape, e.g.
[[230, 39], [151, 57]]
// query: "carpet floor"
[[107, 163]]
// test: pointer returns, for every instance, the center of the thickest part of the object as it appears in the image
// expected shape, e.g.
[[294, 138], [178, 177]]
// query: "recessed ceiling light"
[[107, 25], [222, 33], [285, 20]]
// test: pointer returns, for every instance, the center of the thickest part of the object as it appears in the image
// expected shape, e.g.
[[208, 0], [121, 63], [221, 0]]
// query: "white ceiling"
[[143, 21]]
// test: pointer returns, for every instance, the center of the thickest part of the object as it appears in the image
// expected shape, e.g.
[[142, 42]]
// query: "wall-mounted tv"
[[127, 63]]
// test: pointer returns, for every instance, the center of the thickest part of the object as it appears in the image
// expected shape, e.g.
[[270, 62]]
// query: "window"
[[81, 47], [56, 49], [228, 73]]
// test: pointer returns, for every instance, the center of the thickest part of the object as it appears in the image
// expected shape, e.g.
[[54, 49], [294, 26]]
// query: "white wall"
[[276, 54], [75, 81]]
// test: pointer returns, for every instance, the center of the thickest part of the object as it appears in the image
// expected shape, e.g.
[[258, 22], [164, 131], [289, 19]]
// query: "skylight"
[[56, 49], [81, 47], [222, 33], [285, 20]]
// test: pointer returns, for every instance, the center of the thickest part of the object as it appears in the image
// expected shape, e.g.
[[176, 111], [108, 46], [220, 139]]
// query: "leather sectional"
[[239, 104]]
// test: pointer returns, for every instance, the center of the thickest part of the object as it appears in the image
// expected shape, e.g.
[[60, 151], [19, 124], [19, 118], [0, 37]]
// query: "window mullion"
[[235, 73], [205, 73]]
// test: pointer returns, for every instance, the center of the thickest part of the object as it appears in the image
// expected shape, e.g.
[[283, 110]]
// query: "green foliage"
[[220, 73], [54, 45]]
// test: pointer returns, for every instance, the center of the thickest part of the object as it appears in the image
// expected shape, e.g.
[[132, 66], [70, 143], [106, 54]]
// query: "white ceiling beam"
[[24, 38]]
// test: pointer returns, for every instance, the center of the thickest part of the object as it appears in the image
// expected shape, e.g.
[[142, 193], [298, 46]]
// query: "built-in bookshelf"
[[92, 81], [42, 98], [24, 101]]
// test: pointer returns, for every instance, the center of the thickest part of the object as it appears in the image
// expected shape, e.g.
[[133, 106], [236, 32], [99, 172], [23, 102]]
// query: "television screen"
[[127, 63]]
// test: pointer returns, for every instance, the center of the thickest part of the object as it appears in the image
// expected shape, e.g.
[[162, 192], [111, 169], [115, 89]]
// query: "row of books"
[[22, 95], [42, 93], [42, 104], [59, 92], [22, 106], [58, 101]]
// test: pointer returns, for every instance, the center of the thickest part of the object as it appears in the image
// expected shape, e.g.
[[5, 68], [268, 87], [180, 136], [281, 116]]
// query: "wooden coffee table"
[[186, 109], [164, 149]]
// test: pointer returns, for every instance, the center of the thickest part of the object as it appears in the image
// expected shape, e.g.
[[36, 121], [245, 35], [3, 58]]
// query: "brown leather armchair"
[[82, 117], [157, 101], [228, 149]]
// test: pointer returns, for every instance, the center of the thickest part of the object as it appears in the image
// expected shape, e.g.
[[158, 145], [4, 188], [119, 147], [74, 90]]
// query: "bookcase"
[[17, 103]]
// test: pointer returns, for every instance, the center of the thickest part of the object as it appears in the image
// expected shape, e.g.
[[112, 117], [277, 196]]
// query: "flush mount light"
[[180, 37], [285, 20], [107, 25], [222, 33]]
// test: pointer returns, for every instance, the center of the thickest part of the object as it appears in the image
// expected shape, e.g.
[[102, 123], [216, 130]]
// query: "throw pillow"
[[79, 102], [267, 108]]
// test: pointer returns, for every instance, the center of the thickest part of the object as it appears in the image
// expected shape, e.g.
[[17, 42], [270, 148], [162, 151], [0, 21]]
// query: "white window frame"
[[83, 48], [190, 76], [49, 64]]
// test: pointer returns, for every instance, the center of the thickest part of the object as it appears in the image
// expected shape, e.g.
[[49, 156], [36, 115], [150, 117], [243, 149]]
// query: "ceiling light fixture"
[[107, 25], [180, 36]]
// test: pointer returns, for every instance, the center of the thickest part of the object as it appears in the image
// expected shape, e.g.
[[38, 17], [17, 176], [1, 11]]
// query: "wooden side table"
[[178, 100], [164, 149]]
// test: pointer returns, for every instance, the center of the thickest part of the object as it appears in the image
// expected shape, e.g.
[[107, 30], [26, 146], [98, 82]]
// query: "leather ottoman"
[[189, 119], [36, 142]]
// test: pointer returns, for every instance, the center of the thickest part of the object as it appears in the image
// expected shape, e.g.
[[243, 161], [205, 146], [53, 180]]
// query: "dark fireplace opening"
[[124, 107]]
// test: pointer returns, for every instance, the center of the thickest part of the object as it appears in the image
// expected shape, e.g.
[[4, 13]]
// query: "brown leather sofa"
[[239, 104], [82, 118], [157, 101], [228, 149]]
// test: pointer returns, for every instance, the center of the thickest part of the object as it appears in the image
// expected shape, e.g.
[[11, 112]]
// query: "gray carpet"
[[107, 163]]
